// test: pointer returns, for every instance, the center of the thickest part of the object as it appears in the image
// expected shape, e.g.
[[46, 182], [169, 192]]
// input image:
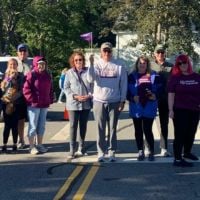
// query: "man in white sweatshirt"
[[110, 87]]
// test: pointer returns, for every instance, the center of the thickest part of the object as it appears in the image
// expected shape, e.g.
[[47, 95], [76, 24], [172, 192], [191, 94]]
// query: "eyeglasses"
[[158, 52], [80, 59], [107, 50], [180, 63]]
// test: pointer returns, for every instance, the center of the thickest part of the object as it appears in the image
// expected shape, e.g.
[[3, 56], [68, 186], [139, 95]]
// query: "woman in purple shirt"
[[184, 109]]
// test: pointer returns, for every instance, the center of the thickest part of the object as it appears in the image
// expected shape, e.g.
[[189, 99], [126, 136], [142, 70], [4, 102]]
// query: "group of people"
[[172, 90], [104, 86], [26, 92]]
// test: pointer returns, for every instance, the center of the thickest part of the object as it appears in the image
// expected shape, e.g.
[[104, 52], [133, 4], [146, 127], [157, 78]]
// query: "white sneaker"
[[34, 151], [21, 145], [41, 148], [165, 153], [101, 159], [112, 157], [59, 102]]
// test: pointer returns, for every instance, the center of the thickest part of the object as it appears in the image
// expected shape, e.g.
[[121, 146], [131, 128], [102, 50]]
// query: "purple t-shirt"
[[187, 91]]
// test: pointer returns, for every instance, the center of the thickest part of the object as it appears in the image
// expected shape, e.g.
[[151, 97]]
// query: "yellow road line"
[[86, 183], [68, 182]]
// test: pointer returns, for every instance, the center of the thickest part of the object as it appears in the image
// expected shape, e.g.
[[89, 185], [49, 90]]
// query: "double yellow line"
[[83, 187]]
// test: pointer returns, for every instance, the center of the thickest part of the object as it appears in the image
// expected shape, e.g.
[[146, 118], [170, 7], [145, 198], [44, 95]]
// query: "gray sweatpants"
[[104, 112]]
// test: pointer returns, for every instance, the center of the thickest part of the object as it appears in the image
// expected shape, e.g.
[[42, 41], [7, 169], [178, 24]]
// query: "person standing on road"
[[142, 89], [11, 88], [61, 85], [24, 66], [38, 92], [110, 87], [163, 68], [79, 97], [184, 109]]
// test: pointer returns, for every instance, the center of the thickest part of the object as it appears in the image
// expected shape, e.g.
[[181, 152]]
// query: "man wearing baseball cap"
[[163, 68], [110, 86], [24, 66]]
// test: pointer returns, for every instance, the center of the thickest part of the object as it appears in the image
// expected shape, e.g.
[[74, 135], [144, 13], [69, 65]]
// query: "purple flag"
[[87, 36]]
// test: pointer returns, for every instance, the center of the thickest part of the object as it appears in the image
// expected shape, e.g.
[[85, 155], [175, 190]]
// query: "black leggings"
[[185, 126], [144, 125], [11, 123]]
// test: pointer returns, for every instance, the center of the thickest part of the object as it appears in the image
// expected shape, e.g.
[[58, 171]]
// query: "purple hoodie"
[[38, 90]]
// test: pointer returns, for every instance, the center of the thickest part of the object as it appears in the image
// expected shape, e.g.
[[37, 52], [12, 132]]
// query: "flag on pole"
[[87, 36]]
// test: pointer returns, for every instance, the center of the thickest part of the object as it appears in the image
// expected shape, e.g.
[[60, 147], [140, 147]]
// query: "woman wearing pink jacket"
[[38, 92]]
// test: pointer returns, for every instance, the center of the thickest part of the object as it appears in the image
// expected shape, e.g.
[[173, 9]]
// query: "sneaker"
[[4, 149], [71, 155], [80, 153], [190, 156], [14, 148], [182, 163], [141, 155], [41, 148], [34, 151], [21, 145], [101, 159], [165, 153], [112, 157], [151, 157], [59, 102]]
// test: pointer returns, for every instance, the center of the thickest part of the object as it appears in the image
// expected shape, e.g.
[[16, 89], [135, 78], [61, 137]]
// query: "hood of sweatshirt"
[[36, 59]]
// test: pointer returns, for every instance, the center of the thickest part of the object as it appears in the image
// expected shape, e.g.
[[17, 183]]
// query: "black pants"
[[185, 126], [11, 123], [78, 118], [164, 120], [144, 125]]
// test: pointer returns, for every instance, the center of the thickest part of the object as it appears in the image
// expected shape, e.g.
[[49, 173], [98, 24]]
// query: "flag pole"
[[91, 43]]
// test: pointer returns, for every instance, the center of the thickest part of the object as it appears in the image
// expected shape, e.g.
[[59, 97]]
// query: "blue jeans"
[[37, 120]]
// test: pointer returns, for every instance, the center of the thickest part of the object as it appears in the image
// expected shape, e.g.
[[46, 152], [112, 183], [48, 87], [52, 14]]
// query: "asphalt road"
[[51, 176]]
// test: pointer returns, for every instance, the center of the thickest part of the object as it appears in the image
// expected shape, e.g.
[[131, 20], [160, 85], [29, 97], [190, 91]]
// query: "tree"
[[11, 11]]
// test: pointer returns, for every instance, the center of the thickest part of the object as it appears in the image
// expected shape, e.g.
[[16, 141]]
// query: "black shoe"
[[182, 163], [141, 156], [14, 148], [4, 149], [190, 156], [151, 157]]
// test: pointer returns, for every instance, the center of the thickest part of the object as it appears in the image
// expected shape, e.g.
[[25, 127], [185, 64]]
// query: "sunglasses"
[[80, 59], [107, 50], [158, 52], [22, 50], [180, 63]]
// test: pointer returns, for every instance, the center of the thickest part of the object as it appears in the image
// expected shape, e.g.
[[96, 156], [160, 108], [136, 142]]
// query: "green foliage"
[[52, 27]]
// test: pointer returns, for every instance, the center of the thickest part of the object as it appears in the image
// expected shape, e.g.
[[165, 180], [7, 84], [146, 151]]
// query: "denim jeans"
[[37, 120]]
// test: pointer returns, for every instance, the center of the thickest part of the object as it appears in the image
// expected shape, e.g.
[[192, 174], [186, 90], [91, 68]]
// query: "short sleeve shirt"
[[187, 91]]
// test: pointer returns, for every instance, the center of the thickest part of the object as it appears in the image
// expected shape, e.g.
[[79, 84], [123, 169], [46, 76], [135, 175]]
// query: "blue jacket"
[[149, 109], [61, 81]]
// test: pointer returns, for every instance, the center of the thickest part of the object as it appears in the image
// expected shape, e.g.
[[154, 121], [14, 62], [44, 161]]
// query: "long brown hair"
[[145, 58]]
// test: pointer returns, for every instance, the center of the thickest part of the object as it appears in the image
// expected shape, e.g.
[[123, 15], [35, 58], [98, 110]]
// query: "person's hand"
[[121, 106], [91, 58], [81, 98], [152, 97], [171, 114], [136, 99]]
